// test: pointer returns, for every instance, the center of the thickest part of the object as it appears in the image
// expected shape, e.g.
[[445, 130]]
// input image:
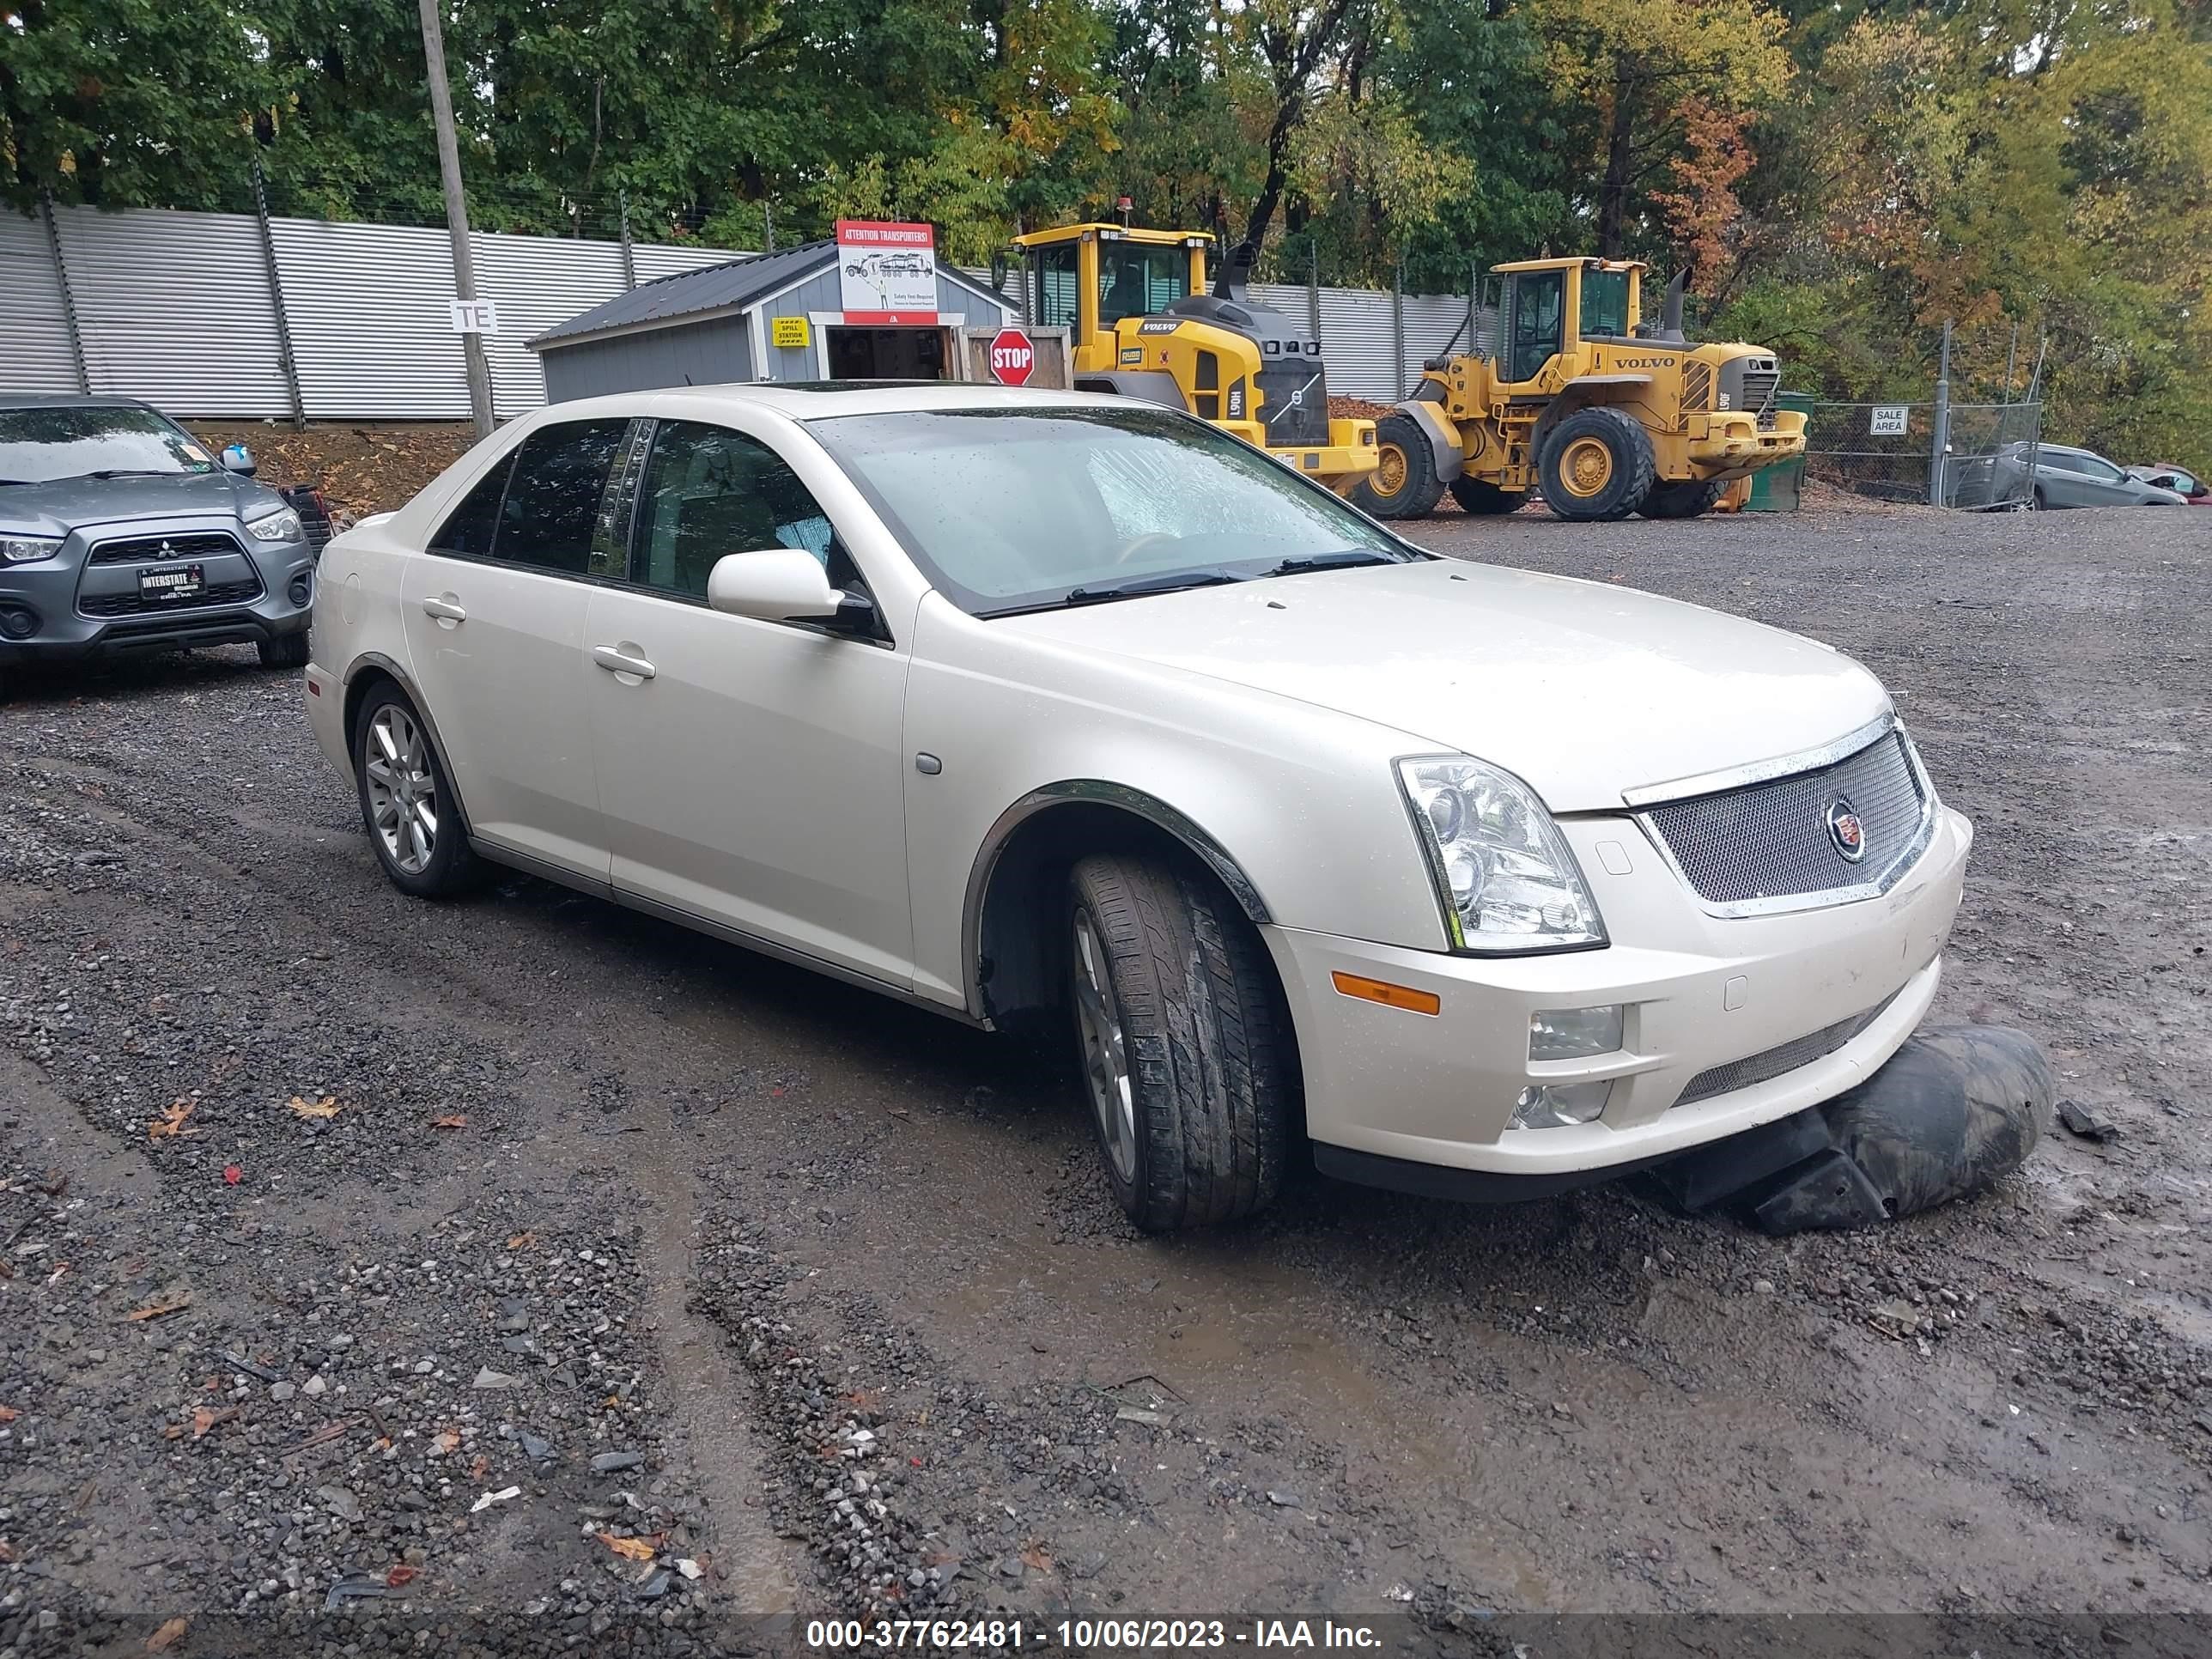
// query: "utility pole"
[[456, 210]]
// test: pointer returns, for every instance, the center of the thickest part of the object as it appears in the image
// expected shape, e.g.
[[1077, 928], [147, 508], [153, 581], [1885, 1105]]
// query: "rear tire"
[[1596, 465], [285, 651], [1185, 1049], [1485, 499], [414, 821], [1684, 499], [1404, 483]]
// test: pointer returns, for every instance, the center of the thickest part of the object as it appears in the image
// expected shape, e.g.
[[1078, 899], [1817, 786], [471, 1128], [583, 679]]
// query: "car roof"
[[68, 400], [811, 400]]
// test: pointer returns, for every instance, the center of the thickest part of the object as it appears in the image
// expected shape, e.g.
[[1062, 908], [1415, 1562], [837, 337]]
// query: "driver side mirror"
[[785, 585], [238, 459]]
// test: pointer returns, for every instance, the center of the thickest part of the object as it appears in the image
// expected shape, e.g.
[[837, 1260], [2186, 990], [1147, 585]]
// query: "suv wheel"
[[1185, 1054], [285, 651], [414, 822]]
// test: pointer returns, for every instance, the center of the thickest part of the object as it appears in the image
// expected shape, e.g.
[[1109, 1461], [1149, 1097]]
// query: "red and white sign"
[[1012, 357], [887, 273]]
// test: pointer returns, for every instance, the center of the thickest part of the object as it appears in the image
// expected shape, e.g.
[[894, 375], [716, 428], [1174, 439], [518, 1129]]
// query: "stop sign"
[[1013, 356]]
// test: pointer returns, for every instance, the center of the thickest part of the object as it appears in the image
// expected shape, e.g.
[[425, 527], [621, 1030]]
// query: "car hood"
[[1583, 689], [67, 504]]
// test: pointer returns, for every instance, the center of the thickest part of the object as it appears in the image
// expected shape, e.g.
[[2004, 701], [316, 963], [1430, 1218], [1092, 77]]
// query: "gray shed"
[[764, 317]]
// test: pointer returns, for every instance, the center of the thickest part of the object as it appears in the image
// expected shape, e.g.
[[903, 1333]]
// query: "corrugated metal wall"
[[176, 307], [34, 347]]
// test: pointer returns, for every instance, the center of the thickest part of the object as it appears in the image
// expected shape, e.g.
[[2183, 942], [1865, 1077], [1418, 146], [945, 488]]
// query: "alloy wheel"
[[1105, 1058], [403, 790]]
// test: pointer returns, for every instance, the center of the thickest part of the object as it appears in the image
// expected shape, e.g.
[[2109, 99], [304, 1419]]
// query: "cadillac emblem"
[[1845, 830]]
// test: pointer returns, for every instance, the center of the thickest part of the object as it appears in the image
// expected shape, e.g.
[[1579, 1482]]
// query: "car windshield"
[[1010, 510], [76, 440]]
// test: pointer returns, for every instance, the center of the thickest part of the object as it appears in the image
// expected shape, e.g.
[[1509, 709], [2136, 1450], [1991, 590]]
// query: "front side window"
[[1537, 299], [76, 440], [709, 492], [551, 511], [1012, 510], [1136, 279], [1057, 296]]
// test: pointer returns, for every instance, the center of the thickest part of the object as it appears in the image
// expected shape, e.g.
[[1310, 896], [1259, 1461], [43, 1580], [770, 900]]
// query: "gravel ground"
[[532, 1274]]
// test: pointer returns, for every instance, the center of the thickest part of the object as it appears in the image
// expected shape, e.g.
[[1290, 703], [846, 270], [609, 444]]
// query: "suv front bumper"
[[274, 583], [1698, 992]]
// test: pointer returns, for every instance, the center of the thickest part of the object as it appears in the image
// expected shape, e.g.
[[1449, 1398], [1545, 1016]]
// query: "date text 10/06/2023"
[[1085, 1635]]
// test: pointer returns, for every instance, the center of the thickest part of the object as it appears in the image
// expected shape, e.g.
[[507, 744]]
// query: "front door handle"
[[616, 660], [445, 608]]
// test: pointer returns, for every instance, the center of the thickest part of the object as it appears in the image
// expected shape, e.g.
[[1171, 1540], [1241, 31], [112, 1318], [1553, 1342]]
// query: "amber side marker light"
[[1390, 995]]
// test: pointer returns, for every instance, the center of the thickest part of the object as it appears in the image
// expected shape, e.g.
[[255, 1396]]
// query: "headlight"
[[1506, 878], [22, 549], [282, 527]]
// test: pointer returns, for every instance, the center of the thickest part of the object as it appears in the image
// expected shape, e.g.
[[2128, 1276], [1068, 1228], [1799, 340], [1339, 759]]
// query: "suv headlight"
[[23, 550], [1502, 869], [282, 526]]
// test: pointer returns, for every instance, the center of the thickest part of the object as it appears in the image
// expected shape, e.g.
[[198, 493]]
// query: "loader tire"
[[1404, 483], [1596, 465], [1484, 499], [1682, 499]]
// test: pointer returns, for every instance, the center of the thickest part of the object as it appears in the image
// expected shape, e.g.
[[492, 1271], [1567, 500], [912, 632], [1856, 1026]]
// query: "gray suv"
[[119, 531]]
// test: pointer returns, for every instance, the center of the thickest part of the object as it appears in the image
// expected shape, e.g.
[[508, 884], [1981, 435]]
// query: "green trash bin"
[[1776, 488]]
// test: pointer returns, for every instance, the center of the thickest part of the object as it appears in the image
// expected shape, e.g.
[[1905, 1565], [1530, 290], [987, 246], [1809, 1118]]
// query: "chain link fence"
[[1889, 452]]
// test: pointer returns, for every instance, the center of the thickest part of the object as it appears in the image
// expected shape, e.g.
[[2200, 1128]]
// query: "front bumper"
[[1700, 992], [82, 609]]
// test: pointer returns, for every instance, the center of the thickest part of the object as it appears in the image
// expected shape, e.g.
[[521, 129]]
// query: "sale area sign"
[[887, 273]]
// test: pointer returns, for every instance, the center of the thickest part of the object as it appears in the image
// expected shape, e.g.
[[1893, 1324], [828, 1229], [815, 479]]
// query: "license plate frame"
[[167, 583]]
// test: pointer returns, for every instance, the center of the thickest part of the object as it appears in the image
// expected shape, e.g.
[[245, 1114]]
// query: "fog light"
[[1574, 1033], [1554, 1105], [18, 623], [300, 591]]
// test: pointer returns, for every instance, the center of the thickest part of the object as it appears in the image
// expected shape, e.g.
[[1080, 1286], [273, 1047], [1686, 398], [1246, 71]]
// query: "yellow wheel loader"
[[1141, 323], [1577, 397]]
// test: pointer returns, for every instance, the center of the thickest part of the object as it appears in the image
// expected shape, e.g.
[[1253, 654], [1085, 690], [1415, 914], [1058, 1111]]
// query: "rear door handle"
[[445, 609], [615, 660]]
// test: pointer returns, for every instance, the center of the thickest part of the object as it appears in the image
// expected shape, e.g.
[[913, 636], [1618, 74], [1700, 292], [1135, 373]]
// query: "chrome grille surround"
[[1754, 841], [1781, 1059]]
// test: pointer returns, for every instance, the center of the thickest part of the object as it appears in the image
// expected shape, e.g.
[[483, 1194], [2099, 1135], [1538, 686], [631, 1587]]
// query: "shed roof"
[[731, 286], [710, 288]]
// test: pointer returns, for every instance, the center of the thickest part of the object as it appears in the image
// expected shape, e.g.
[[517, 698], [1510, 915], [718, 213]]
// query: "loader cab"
[[1548, 307], [1085, 278]]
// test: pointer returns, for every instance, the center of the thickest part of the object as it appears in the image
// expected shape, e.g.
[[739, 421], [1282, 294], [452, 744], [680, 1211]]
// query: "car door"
[[493, 614], [752, 772]]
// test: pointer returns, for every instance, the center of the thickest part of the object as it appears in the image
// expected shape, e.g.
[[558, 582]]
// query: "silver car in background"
[[2065, 477]]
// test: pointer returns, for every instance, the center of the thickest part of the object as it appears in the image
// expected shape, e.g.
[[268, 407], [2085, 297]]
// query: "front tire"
[[1484, 499], [1685, 499], [1596, 465], [414, 822], [1404, 483], [1186, 1050], [285, 651]]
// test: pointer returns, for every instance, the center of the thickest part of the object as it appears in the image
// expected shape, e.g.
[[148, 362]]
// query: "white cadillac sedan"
[[1042, 710]]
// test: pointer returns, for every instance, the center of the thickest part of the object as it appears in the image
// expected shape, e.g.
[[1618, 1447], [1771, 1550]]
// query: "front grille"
[[1771, 840], [153, 550], [1296, 408], [138, 605], [1759, 385], [1781, 1059], [1697, 386]]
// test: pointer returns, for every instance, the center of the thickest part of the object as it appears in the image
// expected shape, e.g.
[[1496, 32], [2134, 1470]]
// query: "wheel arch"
[[1011, 965], [372, 669]]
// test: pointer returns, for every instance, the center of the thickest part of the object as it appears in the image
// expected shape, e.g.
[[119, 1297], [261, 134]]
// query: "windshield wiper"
[[1343, 561], [1172, 581], [136, 472]]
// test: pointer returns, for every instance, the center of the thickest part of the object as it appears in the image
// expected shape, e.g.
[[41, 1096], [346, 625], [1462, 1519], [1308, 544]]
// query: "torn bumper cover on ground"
[[1956, 1108]]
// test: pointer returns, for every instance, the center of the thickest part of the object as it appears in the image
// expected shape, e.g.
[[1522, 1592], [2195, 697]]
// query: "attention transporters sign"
[[887, 273]]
